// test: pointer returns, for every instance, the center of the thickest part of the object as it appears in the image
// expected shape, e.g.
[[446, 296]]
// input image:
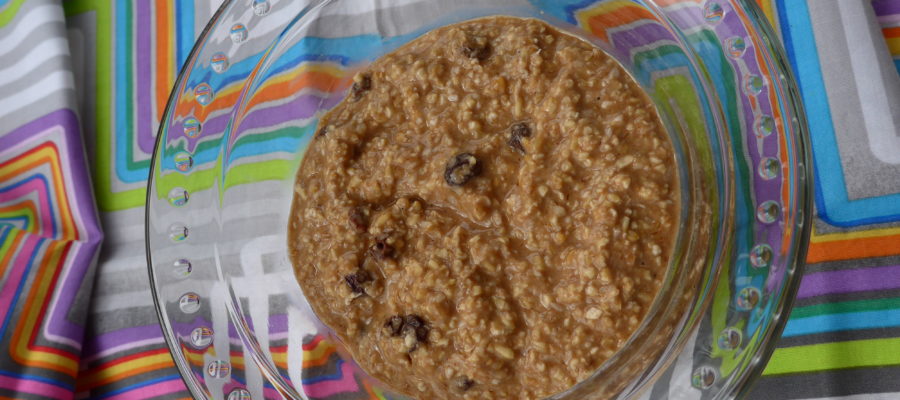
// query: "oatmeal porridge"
[[489, 213]]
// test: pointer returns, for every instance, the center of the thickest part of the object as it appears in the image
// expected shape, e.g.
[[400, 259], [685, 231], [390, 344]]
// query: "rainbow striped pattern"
[[843, 337], [49, 229]]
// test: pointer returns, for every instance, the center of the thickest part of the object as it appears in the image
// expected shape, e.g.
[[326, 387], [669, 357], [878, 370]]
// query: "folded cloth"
[[49, 231], [77, 321], [843, 336]]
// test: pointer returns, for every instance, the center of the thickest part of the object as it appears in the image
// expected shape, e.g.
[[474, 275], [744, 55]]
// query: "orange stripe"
[[321, 81], [853, 248], [139, 363], [891, 32], [321, 360]]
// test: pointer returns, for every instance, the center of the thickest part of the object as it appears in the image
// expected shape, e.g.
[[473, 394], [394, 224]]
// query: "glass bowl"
[[248, 101]]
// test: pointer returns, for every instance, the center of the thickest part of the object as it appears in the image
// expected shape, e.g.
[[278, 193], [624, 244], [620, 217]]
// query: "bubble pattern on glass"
[[191, 127], [204, 94], [218, 369], [704, 377], [239, 394], [189, 303], [182, 268], [201, 337], [178, 196], [730, 339], [183, 161], [219, 62], [760, 257]]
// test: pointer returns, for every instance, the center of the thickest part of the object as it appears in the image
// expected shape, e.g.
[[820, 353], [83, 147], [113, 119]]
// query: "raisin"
[[356, 280], [516, 133], [476, 51], [415, 332], [463, 383], [461, 168], [394, 325], [361, 86], [415, 325], [358, 220], [381, 249]]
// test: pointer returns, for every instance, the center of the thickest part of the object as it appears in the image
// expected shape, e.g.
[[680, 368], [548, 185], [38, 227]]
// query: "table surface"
[[83, 84]]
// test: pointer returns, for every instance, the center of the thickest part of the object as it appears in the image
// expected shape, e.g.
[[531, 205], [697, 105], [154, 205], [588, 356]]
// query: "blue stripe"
[[832, 200], [185, 28], [122, 127], [842, 322]]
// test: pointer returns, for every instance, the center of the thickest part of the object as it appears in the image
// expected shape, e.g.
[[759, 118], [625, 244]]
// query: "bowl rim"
[[795, 261]]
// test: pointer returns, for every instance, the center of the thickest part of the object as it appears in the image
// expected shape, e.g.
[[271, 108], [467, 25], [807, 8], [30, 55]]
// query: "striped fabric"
[[102, 70], [842, 337], [127, 55], [49, 232]]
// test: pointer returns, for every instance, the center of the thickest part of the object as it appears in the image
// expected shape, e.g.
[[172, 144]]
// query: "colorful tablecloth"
[[83, 84]]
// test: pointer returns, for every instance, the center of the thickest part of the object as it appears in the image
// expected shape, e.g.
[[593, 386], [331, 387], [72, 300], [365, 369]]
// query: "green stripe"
[[845, 307], [204, 179], [6, 246], [106, 199], [131, 99], [837, 355], [9, 13]]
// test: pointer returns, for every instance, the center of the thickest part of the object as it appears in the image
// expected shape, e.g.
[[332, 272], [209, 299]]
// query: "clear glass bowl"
[[248, 101]]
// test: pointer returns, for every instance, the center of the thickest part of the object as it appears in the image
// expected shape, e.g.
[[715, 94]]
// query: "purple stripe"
[[886, 7], [82, 259], [301, 107], [119, 337], [626, 38], [145, 137], [849, 281]]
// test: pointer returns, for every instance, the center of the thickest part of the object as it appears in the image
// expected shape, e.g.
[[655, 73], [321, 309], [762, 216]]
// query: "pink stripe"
[[154, 390], [330, 388], [34, 387], [8, 289]]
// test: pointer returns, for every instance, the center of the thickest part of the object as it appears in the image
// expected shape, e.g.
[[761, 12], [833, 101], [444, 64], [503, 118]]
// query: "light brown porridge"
[[488, 215]]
